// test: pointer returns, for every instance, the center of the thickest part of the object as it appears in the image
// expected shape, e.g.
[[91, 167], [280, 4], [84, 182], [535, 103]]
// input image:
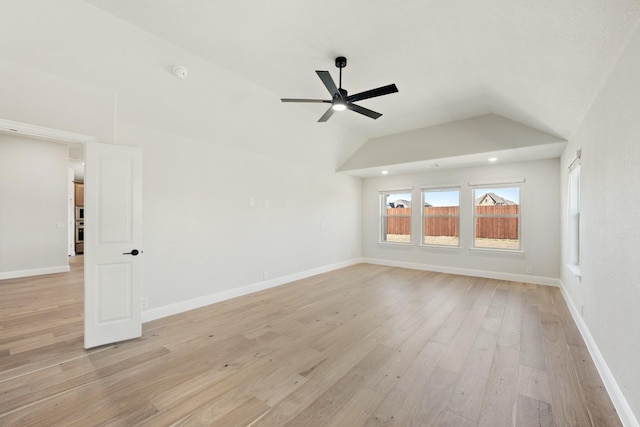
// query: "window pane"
[[574, 215], [396, 218], [441, 217], [497, 212]]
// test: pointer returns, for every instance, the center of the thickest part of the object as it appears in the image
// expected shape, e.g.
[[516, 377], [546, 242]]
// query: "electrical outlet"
[[529, 270], [144, 302], [251, 202], [266, 203], [265, 274]]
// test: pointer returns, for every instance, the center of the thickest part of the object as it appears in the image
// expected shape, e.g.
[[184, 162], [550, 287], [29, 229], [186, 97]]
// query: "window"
[[395, 216], [497, 217], [441, 217], [574, 213]]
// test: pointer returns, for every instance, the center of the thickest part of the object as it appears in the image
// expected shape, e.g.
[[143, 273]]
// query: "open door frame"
[[112, 279]]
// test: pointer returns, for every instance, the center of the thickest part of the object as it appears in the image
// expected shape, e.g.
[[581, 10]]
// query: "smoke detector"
[[179, 71]]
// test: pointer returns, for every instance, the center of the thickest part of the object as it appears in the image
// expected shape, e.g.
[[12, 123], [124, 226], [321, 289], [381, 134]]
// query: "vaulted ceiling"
[[540, 63], [536, 63]]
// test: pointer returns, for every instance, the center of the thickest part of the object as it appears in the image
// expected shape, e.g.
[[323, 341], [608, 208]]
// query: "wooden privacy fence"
[[443, 221], [399, 221], [505, 227]]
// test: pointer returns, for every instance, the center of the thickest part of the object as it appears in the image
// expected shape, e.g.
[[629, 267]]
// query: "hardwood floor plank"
[[534, 413], [568, 403], [500, 393], [531, 352], [534, 383], [327, 405], [364, 345], [510, 329], [450, 419], [598, 402], [467, 397], [460, 345], [433, 400], [243, 415], [358, 409]]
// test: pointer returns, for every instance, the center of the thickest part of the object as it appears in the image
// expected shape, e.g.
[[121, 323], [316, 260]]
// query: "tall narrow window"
[[574, 213], [441, 217], [497, 217], [395, 216]]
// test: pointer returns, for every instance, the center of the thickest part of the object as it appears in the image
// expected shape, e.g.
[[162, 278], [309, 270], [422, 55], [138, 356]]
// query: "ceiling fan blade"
[[329, 83], [304, 100], [384, 90], [326, 115], [364, 111]]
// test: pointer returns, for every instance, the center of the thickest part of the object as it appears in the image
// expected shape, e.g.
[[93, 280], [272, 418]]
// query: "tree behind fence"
[[399, 221]]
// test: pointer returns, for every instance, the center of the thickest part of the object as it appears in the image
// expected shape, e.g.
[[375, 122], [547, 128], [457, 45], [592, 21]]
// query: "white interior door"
[[112, 243]]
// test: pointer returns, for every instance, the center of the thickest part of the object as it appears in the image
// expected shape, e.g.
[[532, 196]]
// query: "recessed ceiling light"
[[384, 172], [493, 159]]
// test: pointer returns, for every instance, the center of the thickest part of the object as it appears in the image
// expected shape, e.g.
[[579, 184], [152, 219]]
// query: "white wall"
[[540, 223], [210, 142], [201, 236], [204, 157], [609, 292], [33, 207]]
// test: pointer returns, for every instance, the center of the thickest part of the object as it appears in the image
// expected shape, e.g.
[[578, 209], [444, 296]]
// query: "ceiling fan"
[[340, 100]]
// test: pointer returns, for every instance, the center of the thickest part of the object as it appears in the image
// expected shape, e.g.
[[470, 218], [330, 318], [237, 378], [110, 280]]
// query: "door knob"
[[133, 252]]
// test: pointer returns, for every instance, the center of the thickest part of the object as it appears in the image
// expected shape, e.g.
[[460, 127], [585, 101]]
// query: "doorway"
[[42, 303], [112, 232]]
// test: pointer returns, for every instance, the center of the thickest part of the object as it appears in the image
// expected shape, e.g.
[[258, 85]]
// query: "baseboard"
[[168, 310], [526, 278], [33, 272], [622, 406]]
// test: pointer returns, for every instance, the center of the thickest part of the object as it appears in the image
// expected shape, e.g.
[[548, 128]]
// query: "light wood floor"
[[362, 346]]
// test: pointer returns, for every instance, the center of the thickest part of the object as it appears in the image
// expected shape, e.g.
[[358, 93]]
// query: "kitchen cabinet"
[[78, 188], [79, 193]]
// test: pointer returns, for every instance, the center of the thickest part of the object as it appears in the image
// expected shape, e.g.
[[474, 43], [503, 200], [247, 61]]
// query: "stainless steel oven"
[[79, 231]]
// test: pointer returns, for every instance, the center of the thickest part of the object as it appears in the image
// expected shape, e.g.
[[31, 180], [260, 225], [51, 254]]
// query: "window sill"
[[575, 270], [511, 252], [437, 247], [396, 244]]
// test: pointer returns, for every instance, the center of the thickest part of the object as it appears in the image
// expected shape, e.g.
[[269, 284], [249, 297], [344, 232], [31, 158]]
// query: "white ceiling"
[[540, 63]]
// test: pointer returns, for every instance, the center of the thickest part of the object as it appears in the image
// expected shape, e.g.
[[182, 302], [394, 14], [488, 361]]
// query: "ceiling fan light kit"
[[340, 99]]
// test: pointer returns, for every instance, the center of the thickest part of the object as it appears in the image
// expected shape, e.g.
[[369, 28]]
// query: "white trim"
[[617, 397], [526, 278], [576, 160], [575, 270], [43, 132], [398, 190], [497, 251], [442, 186], [171, 309], [498, 182], [33, 272]]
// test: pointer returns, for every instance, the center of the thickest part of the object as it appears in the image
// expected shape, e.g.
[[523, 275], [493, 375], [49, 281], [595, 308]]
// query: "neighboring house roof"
[[493, 199], [400, 203]]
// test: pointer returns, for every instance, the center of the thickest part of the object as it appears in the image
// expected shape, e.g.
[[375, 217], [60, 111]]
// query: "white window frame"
[[384, 217], [497, 186], [424, 217], [573, 217]]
